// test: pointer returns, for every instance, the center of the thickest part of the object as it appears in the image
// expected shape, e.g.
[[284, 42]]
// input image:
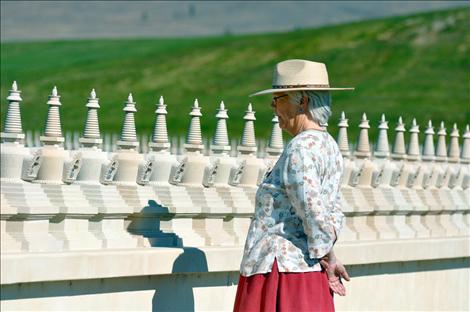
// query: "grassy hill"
[[414, 66]]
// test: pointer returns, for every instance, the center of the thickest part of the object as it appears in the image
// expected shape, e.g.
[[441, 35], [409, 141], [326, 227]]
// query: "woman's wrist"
[[331, 256]]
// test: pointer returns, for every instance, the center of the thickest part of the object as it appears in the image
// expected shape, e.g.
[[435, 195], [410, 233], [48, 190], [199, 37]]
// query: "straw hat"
[[293, 75]]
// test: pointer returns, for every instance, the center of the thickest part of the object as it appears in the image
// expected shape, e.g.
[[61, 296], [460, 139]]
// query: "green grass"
[[410, 66]]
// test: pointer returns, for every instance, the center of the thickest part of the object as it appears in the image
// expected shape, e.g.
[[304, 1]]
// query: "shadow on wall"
[[175, 293], [147, 224]]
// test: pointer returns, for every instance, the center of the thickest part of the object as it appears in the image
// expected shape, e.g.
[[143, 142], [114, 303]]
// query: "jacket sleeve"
[[302, 179], [337, 215]]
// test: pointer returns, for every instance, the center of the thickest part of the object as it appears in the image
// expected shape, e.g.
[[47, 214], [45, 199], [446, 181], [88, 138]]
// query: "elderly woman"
[[288, 262]]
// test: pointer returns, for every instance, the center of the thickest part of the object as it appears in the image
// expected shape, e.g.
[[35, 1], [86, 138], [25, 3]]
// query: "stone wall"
[[129, 230]]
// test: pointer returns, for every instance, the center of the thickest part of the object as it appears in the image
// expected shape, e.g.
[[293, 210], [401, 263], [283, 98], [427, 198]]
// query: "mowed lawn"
[[412, 66]]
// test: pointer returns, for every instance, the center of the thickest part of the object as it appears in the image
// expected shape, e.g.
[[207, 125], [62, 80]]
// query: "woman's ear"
[[302, 105]]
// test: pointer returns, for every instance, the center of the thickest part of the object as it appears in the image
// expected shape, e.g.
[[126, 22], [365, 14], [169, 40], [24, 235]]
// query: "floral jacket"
[[297, 208]]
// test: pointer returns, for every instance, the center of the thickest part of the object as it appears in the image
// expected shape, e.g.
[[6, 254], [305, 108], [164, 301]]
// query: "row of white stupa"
[[128, 138], [208, 200]]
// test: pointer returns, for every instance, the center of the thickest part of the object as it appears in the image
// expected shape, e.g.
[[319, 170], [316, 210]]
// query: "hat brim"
[[268, 91]]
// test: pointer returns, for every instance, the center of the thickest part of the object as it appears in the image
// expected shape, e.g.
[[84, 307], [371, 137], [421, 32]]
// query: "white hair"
[[319, 104]]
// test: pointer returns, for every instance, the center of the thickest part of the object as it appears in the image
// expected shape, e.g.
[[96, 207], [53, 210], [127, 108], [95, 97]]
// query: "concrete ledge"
[[368, 252], [80, 265]]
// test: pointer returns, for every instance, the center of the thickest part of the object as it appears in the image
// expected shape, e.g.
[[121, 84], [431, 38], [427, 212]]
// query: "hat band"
[[302, 86]]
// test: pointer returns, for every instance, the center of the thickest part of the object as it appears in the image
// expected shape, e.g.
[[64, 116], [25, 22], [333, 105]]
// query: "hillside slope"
[[414, 66]]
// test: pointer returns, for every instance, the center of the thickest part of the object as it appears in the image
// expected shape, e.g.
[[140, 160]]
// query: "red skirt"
[[284, 292]]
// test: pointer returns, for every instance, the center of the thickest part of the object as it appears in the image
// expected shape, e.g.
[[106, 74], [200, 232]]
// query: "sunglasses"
[[273, 102]]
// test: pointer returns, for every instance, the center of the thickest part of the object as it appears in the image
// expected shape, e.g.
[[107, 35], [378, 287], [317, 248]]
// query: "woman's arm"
[[302, 182], [301, 176], [337, 215]]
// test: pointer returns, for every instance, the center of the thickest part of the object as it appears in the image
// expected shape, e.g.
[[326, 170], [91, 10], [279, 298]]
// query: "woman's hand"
[[335, 271]]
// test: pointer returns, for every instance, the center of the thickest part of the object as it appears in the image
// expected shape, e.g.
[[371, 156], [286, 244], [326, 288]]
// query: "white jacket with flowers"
[[298, 207]]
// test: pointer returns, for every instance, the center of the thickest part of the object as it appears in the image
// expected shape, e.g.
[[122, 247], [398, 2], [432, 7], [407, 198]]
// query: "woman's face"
[[285, 111]]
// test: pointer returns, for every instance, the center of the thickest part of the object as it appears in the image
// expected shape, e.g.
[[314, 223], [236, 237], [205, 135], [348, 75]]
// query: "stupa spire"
[[248, 141], [160, 140], [128, 137], [382, 149], [413, 147], [91, 133], [275, 145], [454, 147], [53, 130], [342, 139], [363, 147], [194, 137], [399, 149], [441, 148], [12, 130], [220, 141], [428, 149], [465, 156]]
